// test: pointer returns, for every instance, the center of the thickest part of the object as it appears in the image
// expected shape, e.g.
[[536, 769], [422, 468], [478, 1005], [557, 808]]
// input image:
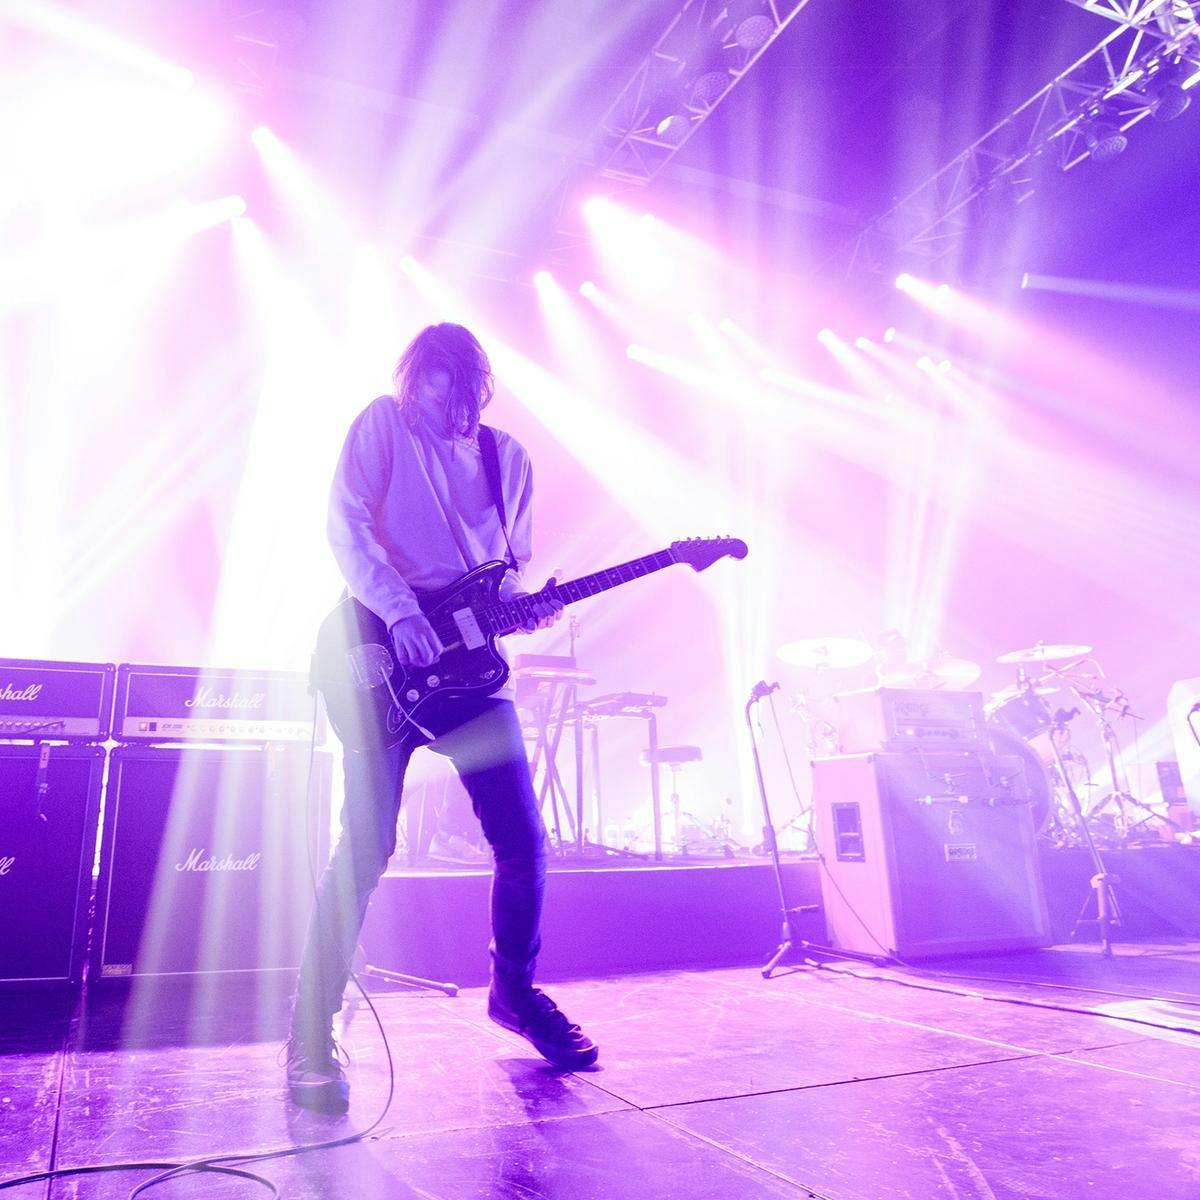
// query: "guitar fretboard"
[[502, 618]]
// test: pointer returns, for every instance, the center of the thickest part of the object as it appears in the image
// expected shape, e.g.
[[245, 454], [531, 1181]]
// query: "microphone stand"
[[1108, 911], [788, 937]]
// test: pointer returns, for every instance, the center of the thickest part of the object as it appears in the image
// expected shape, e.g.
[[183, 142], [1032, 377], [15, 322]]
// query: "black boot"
[[532, 1014], [315, 1075]]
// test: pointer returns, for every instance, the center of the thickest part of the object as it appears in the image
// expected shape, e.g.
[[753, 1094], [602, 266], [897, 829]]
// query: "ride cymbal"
[[1042, 653], [829, 653]]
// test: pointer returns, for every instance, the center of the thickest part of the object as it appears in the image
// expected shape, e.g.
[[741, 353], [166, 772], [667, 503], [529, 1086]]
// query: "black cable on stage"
[[231, 1164], [1015, 1000]]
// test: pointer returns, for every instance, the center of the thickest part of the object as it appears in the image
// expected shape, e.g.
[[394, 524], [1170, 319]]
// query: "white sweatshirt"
[[409, 509]]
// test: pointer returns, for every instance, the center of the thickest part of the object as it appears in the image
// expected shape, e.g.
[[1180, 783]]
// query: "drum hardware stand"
[[788, 938], [1108, 911], [1098, 703]]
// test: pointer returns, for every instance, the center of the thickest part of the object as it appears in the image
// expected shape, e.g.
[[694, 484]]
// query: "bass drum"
[[1037, 774]]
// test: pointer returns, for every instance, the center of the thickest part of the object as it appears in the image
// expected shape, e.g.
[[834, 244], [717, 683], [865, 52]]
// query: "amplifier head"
[[157, 704], [55, 701]]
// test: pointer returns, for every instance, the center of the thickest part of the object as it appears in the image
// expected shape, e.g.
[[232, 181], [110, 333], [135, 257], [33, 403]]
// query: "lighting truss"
[[1053, 125], [692, 67], [1170, 16]]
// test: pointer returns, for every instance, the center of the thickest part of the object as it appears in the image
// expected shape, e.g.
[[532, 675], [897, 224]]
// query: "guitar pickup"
[[468, 628]]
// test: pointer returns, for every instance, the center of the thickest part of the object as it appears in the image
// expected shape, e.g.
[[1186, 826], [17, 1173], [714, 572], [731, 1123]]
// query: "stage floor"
[[838, 1083]]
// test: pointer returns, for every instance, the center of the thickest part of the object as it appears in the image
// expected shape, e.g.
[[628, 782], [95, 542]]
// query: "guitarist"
[[411, 510]]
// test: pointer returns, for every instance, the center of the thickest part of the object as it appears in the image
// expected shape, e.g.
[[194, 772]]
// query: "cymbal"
[[956, 672], [1011, 693], [902, 675], [832, 653], [1043, 653]]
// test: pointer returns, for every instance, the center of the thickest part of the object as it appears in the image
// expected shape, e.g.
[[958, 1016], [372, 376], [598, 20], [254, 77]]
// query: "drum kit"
[[1030, 718]]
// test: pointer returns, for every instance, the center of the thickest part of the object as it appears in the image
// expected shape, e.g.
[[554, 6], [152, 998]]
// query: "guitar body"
[[372, 716], [374, 703]]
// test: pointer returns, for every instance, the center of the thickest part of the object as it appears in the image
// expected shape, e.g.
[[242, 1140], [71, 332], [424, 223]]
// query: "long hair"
[[457, 350]]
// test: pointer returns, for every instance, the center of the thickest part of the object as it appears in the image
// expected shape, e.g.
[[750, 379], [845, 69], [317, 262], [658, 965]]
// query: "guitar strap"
[[491, 468]]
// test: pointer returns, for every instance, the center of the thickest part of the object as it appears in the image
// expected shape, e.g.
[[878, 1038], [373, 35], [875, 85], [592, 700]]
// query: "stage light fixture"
[[826, 337], [542, 278], [752, 26], [1168, 99], [709, 88], [754, 33], [672, 130], [1105, 140], [924, 363], [889, 334], [904, 281], [945, 366], [587, 289], [861, 342], [594, 206]]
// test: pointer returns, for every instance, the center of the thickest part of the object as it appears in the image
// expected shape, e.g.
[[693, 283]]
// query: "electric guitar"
[[373, 702]]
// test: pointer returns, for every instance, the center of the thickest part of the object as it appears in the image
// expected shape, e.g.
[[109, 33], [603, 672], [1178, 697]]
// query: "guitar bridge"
[[468, 628]]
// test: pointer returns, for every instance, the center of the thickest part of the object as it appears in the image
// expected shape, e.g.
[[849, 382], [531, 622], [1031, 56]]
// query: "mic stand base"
[[414, 981], [788, 937]]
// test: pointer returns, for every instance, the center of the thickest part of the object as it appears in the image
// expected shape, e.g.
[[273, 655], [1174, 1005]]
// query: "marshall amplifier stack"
[[214, 827], [50, 782], [213, 822], [926, 837]]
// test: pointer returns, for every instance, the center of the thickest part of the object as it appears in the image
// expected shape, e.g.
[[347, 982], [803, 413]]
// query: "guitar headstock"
[[700, 553]]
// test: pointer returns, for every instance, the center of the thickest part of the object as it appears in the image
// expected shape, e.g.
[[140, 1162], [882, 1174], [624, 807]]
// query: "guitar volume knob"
[[432, 681], [412, 695]]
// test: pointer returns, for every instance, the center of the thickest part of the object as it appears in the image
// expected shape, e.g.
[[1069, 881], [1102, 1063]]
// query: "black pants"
[[483, 740]]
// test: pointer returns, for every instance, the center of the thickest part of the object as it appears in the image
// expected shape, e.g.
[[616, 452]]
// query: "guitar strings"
[[492, 618]]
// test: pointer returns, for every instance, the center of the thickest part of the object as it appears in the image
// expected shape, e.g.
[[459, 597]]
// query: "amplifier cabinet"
[[49, 809], [205, 859], [928, 854]]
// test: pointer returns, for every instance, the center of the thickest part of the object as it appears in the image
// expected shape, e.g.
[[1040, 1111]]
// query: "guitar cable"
[[233, 1164]]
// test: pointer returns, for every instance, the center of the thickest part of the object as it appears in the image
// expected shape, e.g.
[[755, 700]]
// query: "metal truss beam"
[[705, 52], [1116, 80], [1170, 17]]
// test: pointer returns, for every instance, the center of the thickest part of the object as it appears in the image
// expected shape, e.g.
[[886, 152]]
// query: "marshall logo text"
[[196, 861], [7, 864], [27, 695], [209, 697]]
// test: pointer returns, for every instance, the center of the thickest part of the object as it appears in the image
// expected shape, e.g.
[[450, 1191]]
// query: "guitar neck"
[[514, 613]]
